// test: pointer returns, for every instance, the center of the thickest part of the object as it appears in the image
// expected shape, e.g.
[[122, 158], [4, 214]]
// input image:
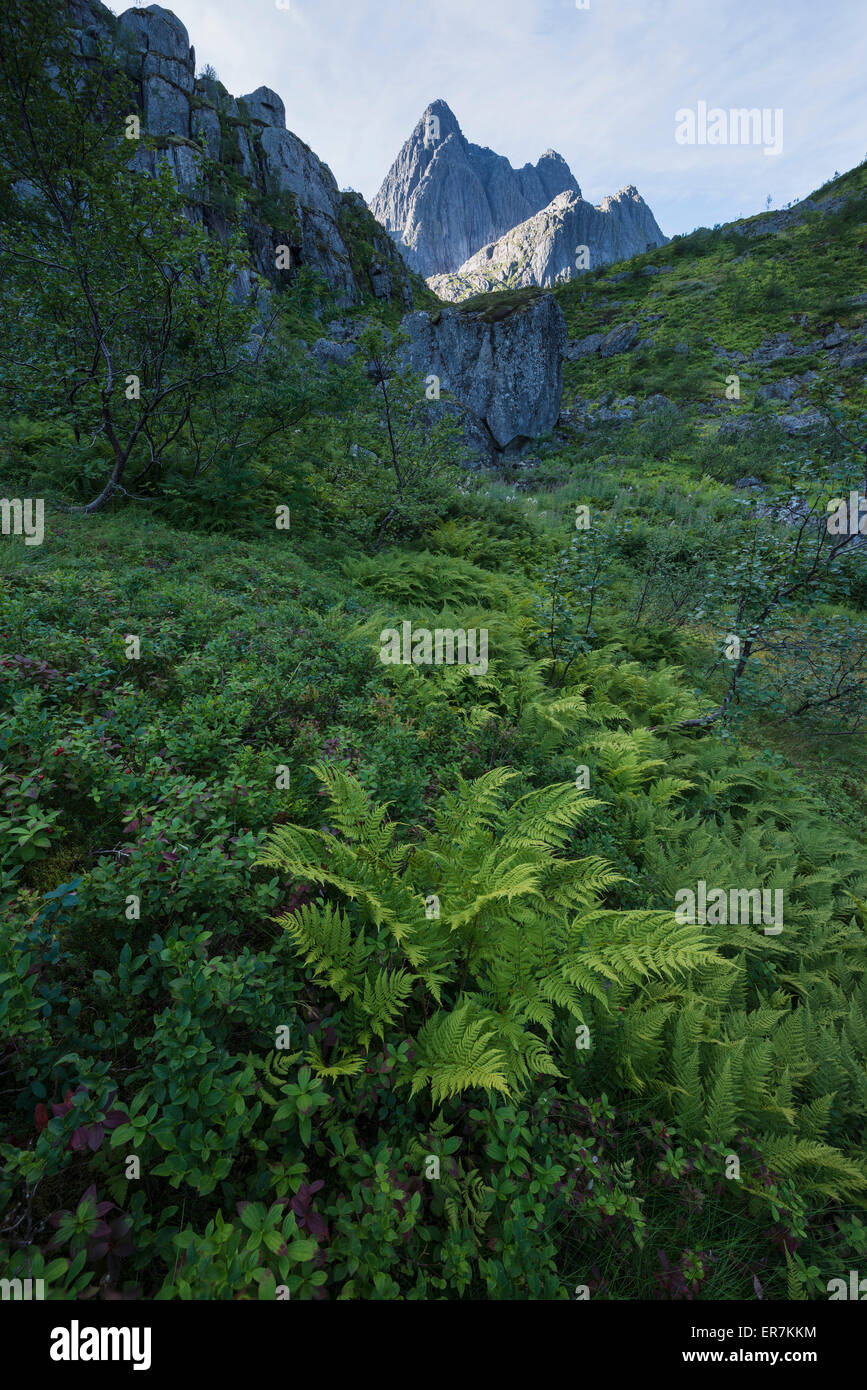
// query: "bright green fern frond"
[[454, 1054]]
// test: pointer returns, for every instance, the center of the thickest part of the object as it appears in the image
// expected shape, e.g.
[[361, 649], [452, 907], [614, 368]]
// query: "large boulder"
[[584, 347], [783, 390], [806, 422], [620, 339], [333, 354], [737, 427], [836, 337], [503, 363], [779, 346], [855, 356]]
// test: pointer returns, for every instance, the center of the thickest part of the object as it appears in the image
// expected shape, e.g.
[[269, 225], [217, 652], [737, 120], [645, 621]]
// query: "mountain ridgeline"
[[444, 197], [465, 219], [453, 212]]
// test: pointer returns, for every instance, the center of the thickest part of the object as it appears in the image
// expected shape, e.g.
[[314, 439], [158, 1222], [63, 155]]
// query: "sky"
[[601, 85]]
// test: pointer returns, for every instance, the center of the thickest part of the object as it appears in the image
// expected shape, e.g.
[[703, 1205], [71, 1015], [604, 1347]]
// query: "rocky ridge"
[[501, 376], [469, 222], [544, 250]]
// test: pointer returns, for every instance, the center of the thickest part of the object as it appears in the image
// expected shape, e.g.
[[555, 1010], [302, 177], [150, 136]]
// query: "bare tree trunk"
[[120, 459], [107, 492]]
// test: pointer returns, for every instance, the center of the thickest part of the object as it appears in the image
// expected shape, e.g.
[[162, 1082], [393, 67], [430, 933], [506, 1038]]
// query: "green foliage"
[[519, 935], [135, 339]]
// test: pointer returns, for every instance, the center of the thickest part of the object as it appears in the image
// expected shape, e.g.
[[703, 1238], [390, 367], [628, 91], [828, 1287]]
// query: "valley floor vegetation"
[[333, 979]]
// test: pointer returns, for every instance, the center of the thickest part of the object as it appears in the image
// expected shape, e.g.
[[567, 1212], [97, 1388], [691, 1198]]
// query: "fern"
[[521, 940], [454, 1054]]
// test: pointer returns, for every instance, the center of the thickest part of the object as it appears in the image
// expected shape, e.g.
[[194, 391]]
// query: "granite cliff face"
[[290, 198], [544, 250], [443, 197]]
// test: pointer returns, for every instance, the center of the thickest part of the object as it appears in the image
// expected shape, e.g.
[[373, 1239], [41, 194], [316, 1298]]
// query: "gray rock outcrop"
[[507, 371], [780, 346], [329, 353], [167, 67], [264, 107], [584, 347], [619, 339], [292, 198], [854, 356], [792, 424], [807, 422], [783, 390]]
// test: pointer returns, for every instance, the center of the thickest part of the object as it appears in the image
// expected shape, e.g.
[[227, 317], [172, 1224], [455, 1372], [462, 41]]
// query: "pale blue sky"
[[601, 86]]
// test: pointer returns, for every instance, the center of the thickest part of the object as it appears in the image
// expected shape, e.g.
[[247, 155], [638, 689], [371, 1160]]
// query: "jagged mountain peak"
[[449, 124], [454, 209], [629, 191], [444, 197]]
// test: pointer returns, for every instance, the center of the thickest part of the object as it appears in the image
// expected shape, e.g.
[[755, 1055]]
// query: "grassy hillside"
[[729, 289]]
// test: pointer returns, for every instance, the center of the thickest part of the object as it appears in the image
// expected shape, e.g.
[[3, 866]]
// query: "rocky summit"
[[567, 236], [444, 197]]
